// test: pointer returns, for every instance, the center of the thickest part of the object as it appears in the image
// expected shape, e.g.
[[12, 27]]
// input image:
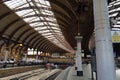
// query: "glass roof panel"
[[118, 22], [47, 12], [118, 18], [44, 31], [52, 36], [117, 2], [57, 31], [40, 28], [35, 19], [115, 28], [50, 19], [41, 18], [29, 19], [36, 24], [30, 12], [55, 28], [114, 13], [53, 24], [22, 6], [14, 3], [116, 25], [21, 13], [112, 10], [47, 34]]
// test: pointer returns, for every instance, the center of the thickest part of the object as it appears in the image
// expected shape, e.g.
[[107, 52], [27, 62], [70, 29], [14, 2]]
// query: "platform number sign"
[[115, 36]]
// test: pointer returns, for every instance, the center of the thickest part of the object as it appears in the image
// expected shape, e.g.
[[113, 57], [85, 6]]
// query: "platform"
[[70, 73]]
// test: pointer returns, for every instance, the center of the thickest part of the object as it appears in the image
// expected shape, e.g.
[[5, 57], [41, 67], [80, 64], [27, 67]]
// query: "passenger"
[[48, 66]]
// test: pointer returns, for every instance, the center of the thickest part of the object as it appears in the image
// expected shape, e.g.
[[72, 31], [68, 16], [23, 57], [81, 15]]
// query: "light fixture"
[[113, 21], [20, 45], [85, 8]]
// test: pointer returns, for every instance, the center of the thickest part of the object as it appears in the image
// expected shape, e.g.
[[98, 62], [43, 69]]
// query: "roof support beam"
[[16, 30], [28, 36], [43, 44], [22, 34], [32, 38], [39, 41], [66, 9], [36, 39], [9, 25]]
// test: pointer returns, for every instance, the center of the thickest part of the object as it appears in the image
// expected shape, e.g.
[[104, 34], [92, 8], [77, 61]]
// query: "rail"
[[52, 77], [23, 77]]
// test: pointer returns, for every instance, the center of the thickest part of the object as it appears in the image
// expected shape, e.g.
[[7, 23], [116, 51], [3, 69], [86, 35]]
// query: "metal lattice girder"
[[38, 41], [25, 35], [18, 28]]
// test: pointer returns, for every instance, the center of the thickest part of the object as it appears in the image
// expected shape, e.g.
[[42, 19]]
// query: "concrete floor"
[[71, 75], [118, 74]]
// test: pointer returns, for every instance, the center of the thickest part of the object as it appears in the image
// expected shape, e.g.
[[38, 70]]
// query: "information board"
[[115, 36]]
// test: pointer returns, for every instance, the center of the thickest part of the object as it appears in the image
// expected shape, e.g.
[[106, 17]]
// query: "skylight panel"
[[44, 31], [50, 19], [117, 3], [44, 3], [115, 28], [118, 22], [15, 3], [47, 34], [116, 25], [36, 24], [39, 28], [34, 19], [118, 9], [26, 5], [47, 12], [20, 6], [53, 24], [55, 28], [118, 18], [41, 18], [52, 36], [112, 10], [112, 2], [113, 15], [57, 31], [31, 12], [23, 12], [29, 19]]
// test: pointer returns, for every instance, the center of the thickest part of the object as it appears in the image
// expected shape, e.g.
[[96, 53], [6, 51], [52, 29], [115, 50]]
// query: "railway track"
[[33, 73], [39, 75], [52, 77]]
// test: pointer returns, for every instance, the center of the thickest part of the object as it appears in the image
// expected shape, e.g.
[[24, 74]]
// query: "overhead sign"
[[115, 36]]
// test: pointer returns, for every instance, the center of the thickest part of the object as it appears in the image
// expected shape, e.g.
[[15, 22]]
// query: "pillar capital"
[[78, 38]]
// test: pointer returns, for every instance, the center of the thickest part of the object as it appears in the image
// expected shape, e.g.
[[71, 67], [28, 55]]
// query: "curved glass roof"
[[38, 14], [114, 14]]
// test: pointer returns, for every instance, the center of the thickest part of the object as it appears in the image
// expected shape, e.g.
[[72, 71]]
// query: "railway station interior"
[[59, 39]]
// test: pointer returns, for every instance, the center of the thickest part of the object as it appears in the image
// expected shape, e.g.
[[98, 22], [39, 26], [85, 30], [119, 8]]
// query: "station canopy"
[[114, 14], [52, 25], [39, 15]]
